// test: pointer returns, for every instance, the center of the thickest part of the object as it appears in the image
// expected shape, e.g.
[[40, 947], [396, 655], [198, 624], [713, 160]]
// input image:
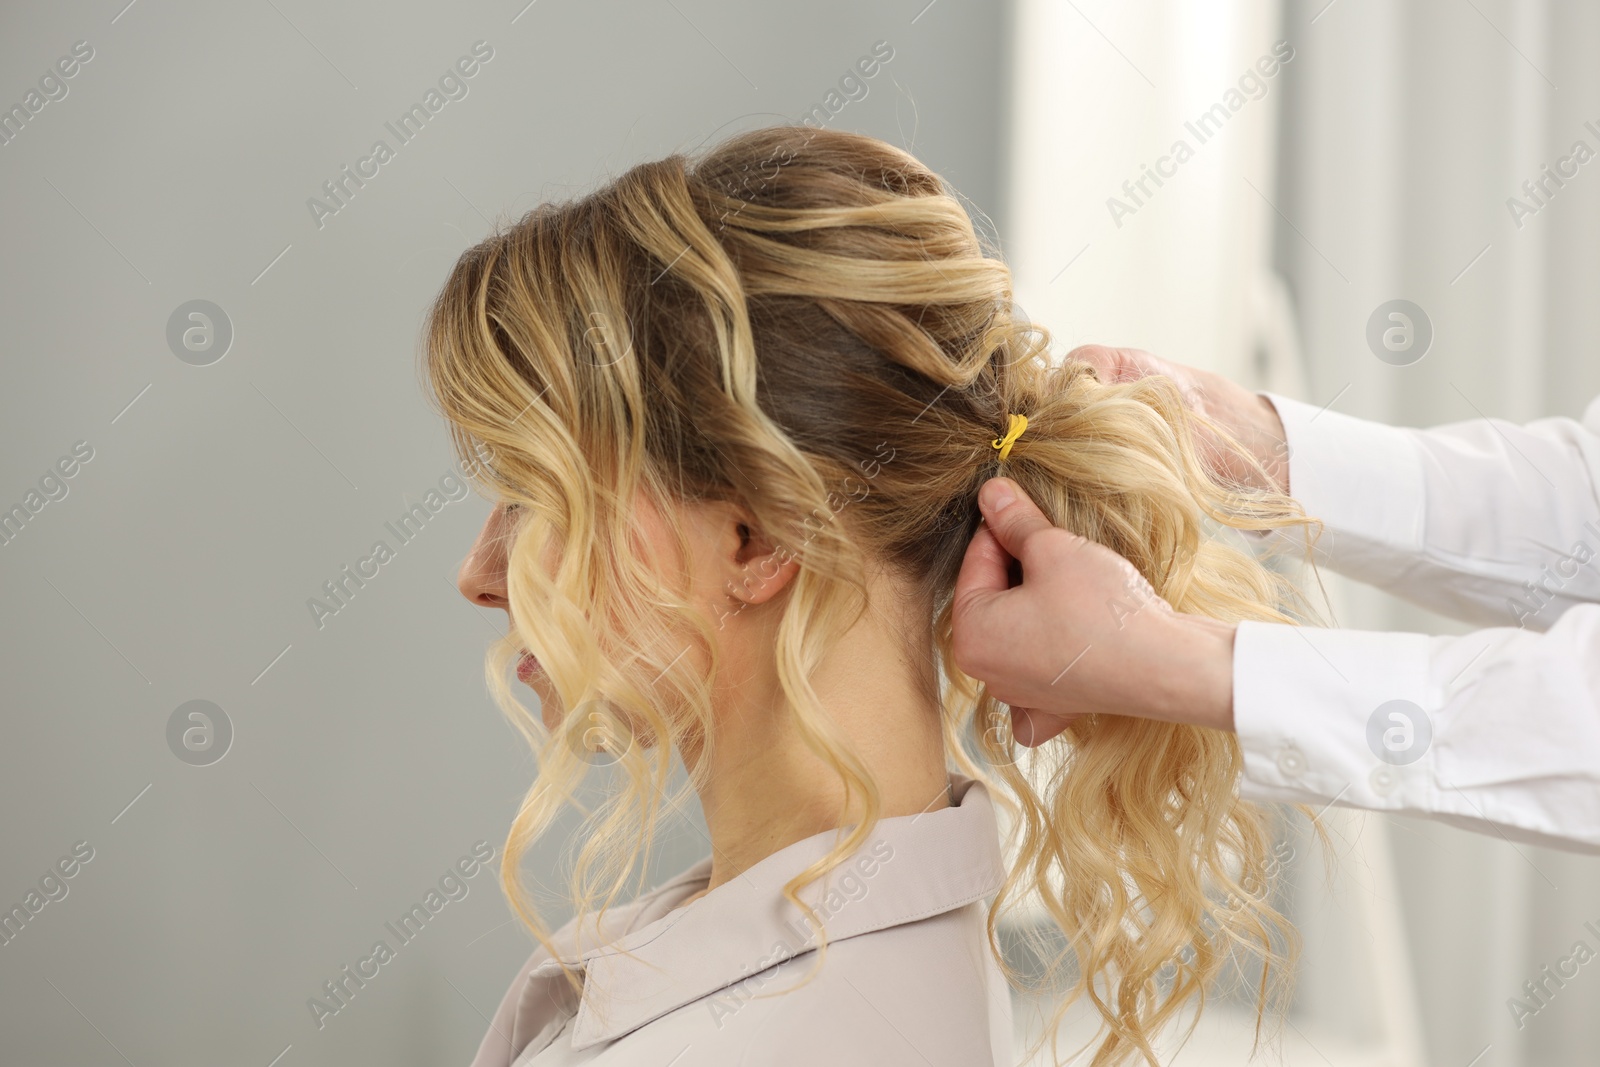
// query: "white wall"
[[1099, 92], [1387, 148]]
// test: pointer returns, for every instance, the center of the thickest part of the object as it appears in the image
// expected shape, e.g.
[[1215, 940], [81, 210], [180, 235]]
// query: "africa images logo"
[[453, 885], [342, 187], [1252, 85]]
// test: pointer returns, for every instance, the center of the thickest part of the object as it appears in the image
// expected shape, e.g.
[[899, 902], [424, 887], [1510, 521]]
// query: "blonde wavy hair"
[[805, 322]]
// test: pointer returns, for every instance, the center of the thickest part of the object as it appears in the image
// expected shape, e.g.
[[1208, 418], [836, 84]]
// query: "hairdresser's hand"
[[1249, 417], [1083, 632]]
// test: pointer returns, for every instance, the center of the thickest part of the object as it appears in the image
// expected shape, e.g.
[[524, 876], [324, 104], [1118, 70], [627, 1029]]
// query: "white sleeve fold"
[[1500, 729], [1485, 520]]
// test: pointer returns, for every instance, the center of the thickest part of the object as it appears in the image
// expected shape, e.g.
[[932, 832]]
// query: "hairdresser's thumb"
[[1011, 514]]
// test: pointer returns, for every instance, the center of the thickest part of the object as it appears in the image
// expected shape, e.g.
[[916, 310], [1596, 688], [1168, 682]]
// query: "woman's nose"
[[482, 578]]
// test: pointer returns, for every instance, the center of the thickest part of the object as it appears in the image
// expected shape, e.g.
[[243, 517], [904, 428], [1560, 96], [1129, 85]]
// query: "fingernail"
[[998, 494]]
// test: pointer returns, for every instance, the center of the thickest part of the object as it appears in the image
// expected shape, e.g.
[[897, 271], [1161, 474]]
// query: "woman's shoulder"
[[584, 934], [540, 999], [924, 991]]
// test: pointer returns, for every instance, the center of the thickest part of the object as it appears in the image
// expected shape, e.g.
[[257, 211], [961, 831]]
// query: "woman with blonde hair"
[[735, 411]]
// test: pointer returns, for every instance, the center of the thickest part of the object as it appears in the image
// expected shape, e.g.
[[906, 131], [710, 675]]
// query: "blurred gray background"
[[368, 758], [365, 758]]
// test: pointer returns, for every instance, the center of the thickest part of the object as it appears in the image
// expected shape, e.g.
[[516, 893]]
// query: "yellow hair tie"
[[1014, 430]]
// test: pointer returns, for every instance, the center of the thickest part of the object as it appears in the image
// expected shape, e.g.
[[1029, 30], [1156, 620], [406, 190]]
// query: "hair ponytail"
[[1128, 831]]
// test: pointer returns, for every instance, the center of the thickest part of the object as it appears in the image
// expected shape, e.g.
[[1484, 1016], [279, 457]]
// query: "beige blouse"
[[907, 976]]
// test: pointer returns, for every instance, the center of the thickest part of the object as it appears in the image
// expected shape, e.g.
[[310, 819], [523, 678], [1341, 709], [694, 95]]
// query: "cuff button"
[[1383, 780], [1291, 761]]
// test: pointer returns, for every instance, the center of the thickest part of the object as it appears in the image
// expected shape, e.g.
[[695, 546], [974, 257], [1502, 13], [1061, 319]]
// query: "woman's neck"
[[767, 789]]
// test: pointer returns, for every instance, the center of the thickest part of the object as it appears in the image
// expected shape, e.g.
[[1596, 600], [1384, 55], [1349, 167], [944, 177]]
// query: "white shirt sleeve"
[[1484, 521], [1497, 731]]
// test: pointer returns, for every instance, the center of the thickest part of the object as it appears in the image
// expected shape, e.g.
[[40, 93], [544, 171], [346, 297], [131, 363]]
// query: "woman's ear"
[[758, 569]]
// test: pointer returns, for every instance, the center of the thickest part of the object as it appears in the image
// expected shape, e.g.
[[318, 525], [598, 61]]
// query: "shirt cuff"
[[1363, 479], [1313, 710]]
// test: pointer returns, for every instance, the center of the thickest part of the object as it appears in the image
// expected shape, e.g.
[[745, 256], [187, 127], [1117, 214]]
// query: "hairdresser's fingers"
[[978, 640], [1120, 364], [1013, 517], [1247, 417], [980, 620], [1128, 364], [1110, 365], [985, 569], [1113, 365], [1032, 727], [983, 616]]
